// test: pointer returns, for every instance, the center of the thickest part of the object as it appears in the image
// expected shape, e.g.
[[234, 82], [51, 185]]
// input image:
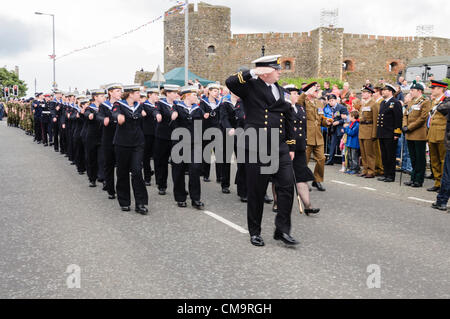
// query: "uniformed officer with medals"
[[266, 108], [415, 128], [389, 131], [368, 132]]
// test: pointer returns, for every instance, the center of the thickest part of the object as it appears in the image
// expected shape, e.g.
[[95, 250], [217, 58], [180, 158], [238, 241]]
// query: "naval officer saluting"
[[266, 109]]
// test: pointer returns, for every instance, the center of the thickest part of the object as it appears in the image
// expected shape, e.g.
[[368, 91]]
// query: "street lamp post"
[[54, 54]]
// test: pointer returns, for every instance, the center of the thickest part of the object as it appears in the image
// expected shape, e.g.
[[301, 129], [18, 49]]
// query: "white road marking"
[[227, 222], [421, 200], [346, 184], [369, 189]]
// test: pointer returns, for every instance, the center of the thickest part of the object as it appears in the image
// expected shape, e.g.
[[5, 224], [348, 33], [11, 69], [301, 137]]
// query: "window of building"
[[348, 66], [287, 65], [211, 49], [393, 67]]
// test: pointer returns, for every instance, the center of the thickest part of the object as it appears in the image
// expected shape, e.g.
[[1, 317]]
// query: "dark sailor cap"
[[368, 88], [309, 86], [272, 61]]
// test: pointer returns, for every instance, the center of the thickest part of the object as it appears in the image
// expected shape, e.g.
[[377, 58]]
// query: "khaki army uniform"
[[379, 169], [415, 119], [436, 141], [315, 145], [368, 135]]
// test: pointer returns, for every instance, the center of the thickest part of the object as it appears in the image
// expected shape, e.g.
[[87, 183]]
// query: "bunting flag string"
[[179, 7]]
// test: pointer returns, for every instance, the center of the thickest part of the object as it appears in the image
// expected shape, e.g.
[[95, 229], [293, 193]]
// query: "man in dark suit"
[[389, 131], [267, 112]]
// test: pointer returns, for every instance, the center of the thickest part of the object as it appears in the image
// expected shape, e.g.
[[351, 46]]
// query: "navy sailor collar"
[[94, 107], [131, 108], [187, 108]]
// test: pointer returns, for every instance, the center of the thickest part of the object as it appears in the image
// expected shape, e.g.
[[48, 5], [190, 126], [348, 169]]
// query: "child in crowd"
[[352, 131]]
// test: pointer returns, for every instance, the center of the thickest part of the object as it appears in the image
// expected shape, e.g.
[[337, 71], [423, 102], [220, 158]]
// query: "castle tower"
[[209, 40]]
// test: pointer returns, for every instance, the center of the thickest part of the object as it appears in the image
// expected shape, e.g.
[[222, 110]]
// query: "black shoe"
[[101, 180], [389, 180], [198, 205], [244, 199], [126, 208], [92, 184], [429, 177], [226, 190], [72, 163], [434, 189], [439, 207], [45, 144], [381, 179], [410, 183], [206, 180], [275, 208], [112, 197], [105, 188], [417, 185], [39, 142], [182, 204], [51, 144], [285, 238], [56, 150], [81, 173], [141, 209], [312, 211], [319, 186], [162, 192], [329, 164], [148, 184], [257, 241], [268, 200]]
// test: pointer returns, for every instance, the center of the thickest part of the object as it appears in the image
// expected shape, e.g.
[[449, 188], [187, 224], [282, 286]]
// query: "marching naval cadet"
[[46, 120], [79, 150], [303, 174], [389, 131], [232, 118], [163, 136], [109, 125], [185, 114], [266, 108], [415, 128], [211, 104], [55, 108], [368, 132], [37, 111], [129, 149], [93, 135], [149, 127], [69, 121]]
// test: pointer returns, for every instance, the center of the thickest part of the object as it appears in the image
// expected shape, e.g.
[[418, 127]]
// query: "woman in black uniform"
[[163, 141], [78, 146], [186, 114], [303, 174], [105, 116], [129, 149], [93, 136], [149, 126]]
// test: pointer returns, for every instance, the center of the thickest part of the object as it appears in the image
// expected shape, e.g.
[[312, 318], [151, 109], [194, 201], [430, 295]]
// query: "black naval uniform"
[[105, 111], [55, 109], [212, 122], [301, 170], [186, 119], [163, 143], [78, 146], [37, 113], [93, 140], [45, 123], [149, 127], [389, 126], [264, 111], [129, 149]]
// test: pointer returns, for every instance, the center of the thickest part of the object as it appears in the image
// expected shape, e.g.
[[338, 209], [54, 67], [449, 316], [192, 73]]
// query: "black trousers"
[[69, 139], [256, 189], [206, 166], [101, 164], [129, 159], [92, 162], [109, 167], [55, 132], [226, 166], [148, 154], [388, 156], [417, 150], [79, 155], [162, 151], [179, 180], [62, 139], [45, 133], [38, 129]]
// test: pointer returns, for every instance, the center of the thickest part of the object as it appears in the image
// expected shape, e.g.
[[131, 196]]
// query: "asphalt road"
[[50, 219]]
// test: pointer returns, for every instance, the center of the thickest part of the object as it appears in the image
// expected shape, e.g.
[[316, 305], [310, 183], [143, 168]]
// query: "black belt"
[[367, 122]]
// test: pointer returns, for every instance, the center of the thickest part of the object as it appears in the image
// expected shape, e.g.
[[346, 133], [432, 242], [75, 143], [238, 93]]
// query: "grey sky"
[[83, 22]]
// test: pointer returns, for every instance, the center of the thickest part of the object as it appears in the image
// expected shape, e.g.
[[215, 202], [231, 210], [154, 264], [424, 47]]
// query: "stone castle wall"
[[214, 53]]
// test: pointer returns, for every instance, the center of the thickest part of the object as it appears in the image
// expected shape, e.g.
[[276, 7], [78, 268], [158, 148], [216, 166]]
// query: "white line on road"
[[227, 222], [421, 200], [369, 189], [342, 183]]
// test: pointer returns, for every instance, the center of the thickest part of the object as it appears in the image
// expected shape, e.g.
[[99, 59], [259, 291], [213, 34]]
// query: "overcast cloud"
[[25, 38]]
